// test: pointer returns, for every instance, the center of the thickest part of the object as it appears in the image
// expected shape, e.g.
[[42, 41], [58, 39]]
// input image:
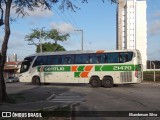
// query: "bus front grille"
[[126, 77]]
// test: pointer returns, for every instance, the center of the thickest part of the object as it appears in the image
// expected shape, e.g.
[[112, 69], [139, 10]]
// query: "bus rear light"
[[136, 73]]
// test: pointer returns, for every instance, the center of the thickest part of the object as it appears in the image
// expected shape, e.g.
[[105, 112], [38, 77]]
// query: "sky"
[[95, 18]]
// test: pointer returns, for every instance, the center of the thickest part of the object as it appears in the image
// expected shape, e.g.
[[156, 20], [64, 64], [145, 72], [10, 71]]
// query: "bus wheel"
[[36, 80], [95, 82], [107, 82]]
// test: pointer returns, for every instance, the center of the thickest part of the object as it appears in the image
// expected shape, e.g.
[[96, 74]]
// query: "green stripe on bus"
[[54, 69], [77, 74], [81, 68], [116, 67]]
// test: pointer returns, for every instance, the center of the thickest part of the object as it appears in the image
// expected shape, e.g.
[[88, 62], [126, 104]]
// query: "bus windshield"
[[26, 64]]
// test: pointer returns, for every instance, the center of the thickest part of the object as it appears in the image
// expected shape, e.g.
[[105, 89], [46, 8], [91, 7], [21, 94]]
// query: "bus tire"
[[95, 82], [36, 80], [107, 82]]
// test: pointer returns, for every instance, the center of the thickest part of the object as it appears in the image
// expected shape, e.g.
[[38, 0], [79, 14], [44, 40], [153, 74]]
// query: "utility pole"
[[40, 40], [154, 67], [81, 38]]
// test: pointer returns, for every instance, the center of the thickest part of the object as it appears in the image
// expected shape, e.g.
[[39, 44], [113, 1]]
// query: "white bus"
[[101, 68]]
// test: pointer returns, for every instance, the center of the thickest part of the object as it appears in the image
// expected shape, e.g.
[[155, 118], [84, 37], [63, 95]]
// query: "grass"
[[151, 72], [149, 76]]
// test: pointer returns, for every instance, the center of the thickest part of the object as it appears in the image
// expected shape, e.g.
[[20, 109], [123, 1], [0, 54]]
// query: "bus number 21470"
[[122, 68]]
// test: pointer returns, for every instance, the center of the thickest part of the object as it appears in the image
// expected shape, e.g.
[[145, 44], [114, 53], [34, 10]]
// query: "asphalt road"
[[137, 97]]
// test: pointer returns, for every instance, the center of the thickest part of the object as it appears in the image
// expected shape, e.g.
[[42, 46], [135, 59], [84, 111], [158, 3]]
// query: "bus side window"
[[113, 58], [40, 60], [130, 56], [121, 57], [54, 60], [106, 58], [103, 58], [50, 60], [126, 57], [95, 58], [37, 62], [82, 59], [98, 58], [67, 59]]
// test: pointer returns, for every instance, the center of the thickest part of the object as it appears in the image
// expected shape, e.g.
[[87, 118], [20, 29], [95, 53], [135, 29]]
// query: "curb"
[[147, 83]]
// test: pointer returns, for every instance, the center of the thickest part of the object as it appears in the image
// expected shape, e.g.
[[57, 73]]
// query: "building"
[[132, 26], [11, 69]]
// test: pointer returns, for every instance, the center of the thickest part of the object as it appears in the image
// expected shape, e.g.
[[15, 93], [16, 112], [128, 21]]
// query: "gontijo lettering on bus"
[[83, 71]]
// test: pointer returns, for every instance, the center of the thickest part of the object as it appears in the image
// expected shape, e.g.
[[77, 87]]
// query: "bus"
[[100, 68]]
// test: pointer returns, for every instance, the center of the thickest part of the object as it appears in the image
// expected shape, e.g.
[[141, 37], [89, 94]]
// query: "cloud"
[[154, 54], [63, 27], [154, 28], [157, 13], [16, 40]]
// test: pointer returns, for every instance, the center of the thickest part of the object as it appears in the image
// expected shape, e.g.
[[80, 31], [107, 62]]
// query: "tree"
[[50, 47], [56, 36], [51, 34], [36, 34], [21, 6]]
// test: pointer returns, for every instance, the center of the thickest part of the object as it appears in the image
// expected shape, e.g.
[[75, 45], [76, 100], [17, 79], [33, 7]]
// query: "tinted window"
[[82, 59], [97, 58], [67, 59], [40, 60], [112, 57], [50, 60], [57, 60], [125, 56], [26, 64], [53, 59]]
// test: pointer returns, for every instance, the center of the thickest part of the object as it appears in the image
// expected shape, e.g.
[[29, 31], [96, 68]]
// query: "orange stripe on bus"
[[84, 74], [74, 68], [88, 68]]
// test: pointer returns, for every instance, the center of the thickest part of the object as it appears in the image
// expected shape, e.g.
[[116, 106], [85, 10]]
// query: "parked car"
[[12, 79]]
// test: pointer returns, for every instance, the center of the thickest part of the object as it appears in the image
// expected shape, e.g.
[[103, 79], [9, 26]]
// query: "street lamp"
[[40, 40], [81, 38]]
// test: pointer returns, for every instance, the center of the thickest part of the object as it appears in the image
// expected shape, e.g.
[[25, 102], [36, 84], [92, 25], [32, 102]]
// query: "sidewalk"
[[33, 98], [150, 82], [36, 98], [33, 106]]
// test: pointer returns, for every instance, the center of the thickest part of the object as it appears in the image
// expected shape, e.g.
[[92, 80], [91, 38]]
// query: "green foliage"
[[50, 47], [36, 34], [56, 36], [51, 34]]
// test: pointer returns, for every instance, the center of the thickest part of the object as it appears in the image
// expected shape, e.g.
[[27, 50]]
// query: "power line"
[[75, 23], [72, 21]]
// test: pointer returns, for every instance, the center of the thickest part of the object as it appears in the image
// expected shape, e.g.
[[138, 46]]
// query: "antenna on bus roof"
[[100, 51]]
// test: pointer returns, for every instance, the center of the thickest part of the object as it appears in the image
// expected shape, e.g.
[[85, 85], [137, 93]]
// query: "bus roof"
[[79, 52]]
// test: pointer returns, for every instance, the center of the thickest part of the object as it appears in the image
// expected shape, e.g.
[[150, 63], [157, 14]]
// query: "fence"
[[152, 75]]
